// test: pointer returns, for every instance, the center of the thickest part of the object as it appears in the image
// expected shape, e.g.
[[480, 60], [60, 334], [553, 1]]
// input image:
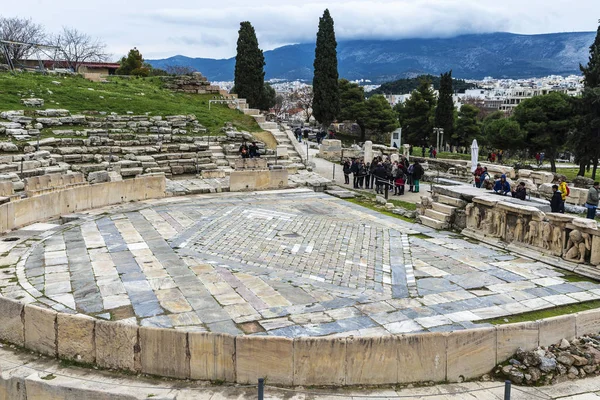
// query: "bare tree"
[[21, 30], [179, 69], [303, 98], [77, 47]]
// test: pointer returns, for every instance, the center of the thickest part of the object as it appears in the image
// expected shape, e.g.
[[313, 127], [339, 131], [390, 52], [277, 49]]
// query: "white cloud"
[[209, 29]]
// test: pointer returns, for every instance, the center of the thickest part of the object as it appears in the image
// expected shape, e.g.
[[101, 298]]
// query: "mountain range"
[[474, 56]]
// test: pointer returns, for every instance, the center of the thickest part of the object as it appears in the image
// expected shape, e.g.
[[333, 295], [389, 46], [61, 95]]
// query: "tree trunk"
[[581, 168], [552, 164], [595, 167]]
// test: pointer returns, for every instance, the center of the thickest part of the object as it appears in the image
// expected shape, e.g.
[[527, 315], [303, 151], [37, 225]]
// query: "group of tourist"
[[557, 202], [495, 155], [381, 173], [249, 151]]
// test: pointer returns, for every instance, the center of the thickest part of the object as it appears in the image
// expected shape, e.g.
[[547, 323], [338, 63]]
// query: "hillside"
[[139, 96], [407, 85], [469, 56]]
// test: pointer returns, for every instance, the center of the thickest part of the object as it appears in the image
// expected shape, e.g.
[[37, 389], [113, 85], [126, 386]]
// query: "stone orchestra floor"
[[287, 263]]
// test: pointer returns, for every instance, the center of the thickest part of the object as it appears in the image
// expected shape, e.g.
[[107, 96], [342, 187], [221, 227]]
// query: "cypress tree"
[[444, 113], [591, 72], [326, 101], [586, 141], [249, 77]]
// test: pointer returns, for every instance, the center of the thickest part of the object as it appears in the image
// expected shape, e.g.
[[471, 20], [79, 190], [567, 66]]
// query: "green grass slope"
[[120, 95]]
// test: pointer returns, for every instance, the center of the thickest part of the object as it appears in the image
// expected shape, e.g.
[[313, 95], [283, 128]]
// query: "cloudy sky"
[[202, 28]]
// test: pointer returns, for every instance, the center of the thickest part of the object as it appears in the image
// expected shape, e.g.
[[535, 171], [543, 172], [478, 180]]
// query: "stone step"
[[268, 125], [251, 111], [438, 216], [451, 201], [444, 208], [259, 118], [218, 155], [432, 223]]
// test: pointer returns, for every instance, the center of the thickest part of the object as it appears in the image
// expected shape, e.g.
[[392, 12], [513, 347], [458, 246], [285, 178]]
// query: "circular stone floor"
[[289, 263]]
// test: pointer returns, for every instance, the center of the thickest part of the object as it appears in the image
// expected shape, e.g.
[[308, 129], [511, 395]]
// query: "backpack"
[[568, 190], [411, 168]]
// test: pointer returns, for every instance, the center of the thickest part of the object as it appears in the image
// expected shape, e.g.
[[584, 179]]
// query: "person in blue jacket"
[[502, 186]]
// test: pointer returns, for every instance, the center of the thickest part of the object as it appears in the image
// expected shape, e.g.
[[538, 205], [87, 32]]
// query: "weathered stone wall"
[[194, 83], [453, 356], [258, 179], [23, 212]]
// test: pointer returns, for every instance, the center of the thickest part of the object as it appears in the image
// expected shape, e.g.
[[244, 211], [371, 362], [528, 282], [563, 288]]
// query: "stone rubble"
[[559, 362]]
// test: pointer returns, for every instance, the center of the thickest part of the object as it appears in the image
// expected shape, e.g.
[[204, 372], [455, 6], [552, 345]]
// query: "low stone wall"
[[16, 214], [453, 356], [258, 179]]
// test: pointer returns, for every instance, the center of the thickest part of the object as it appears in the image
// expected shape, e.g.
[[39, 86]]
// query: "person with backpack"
[[564, 190], [417, 174], [592, 201], [399, 183]]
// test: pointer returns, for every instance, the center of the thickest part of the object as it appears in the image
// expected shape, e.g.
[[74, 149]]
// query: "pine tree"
[[444, 113], [417, 115], [133, 64], [249, 76], [326, 101], [586, 141]]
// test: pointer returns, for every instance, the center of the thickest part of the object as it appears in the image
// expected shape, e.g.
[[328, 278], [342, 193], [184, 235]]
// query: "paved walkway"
[[44, 378], [283, 263]]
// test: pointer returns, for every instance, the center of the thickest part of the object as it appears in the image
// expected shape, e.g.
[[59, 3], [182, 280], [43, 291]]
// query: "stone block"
[[319, 361], [422, 357], [587, 322], [212, 356], [164, 352], [76, 337], [372, 360], [254, 180], [282, 151], [553, 330], [595, 256], [11, 321], [268, 357], [115, 345], [40, 330], [470, 353], [512, 336]]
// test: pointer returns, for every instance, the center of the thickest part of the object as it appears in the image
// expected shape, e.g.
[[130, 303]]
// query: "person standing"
[[556, 201], [592, 201], [564, 190], [368, 176], [298, 133], [380, 178], [354, 170], [346, 168], [417, 174], [362, 172], [372, 169]]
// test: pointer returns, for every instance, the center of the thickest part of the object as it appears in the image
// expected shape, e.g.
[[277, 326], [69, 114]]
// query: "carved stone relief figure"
[[557, 243], [532, 235], [547, 235], [488, 222], [518, 231], [577, 247]]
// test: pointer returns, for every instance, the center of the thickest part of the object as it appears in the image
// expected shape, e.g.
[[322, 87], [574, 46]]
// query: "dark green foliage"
[[407, 85], [503, 133], [591, 72], [326, 100], [416, 115], [586, 141], [133, 64], [249, 76], [547, 121], [268, 98], [374, 116], [467, 127], [444, 112]]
